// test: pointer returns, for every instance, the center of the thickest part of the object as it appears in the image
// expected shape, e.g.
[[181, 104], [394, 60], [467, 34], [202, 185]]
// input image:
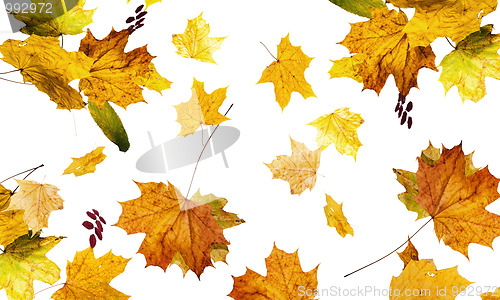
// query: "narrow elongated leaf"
[[110, 124]]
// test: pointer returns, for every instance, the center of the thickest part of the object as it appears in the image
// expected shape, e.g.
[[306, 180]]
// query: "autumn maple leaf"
[[474, 58], [177, 230], [201, 109], [410, 253], [87, 163], [89, 278], [12, 226], [383, 48], [359, 7], [335, 217], [453, 18], [195, 43], [287, 73], [299, 170], [455, 195], [284, 279]]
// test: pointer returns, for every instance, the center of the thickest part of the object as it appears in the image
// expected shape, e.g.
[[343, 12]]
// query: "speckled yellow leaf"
[[195, 43], [38, 201], [287, 73], [339, 128], [299, 170], [87, 163], [201, 109], [335, 217]]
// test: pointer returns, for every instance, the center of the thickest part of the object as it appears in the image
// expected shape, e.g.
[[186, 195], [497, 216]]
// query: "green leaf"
[[359, 7], [110, 124]]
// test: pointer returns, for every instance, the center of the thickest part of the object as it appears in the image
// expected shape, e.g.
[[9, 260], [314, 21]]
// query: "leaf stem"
[[62, 283], [391, 251], [449, 42], [17, 70], [27, 83], [268, 51], [201, 153], [32, 170]]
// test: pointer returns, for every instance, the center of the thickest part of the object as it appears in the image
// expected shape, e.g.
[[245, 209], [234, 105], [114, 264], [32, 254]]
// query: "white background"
[[34, 132]]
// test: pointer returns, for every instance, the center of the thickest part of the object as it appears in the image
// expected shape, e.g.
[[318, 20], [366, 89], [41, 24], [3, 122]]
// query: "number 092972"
[[45, 8]]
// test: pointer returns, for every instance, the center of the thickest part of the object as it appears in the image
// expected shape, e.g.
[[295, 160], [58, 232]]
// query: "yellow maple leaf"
[[335, 217], [421, 280], [285, 280], [11, 226], [452, 18], [153, 80], [348, 67], [49, 67], [177, 230], [195, 43], [115, 75], [387, 51], [299, 170], [474, 58], [149, 2], [491, 295], [339, 128], [5, 195], [287, 73], [87, 163], [89, 278], [38, 201], [201, 109]]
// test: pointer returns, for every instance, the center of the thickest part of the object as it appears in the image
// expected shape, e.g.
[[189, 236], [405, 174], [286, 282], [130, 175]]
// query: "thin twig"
[[17, 70], [201, 153], [449, 42], [62, 41], [27, 83], [62, 283], [32, 169], [268, 51], [391, 251]]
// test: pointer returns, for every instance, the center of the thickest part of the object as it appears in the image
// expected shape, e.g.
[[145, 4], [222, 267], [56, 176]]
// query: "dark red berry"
[[91, 215], [410, 122], [409, 106], [95, 212], [139, 8], [139, 21], [92, 241], [88, 225], [102, 220], [403, 118], [401, 98], [400, 111], [131, 29], [98, 233], [138, 26], [99, 225], [397, 107], [130, 20], [142, 14]]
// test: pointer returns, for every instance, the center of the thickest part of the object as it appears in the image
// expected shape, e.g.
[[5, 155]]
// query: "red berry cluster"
[[404, 114], [139, 19], [98, 229]]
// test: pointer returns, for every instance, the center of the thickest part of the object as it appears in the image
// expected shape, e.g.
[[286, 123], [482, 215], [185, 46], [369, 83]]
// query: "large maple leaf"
[[201, 109], [285, 279], [177, 230], [87, 163], [287, 73], [339, 128], [23, 261], [452, 18], [115, 75], [474, 58], [299, 170], [385, 50], [38, 201], [89, 278], [195, 43], [455, 196], [49, 67], [52, 18]]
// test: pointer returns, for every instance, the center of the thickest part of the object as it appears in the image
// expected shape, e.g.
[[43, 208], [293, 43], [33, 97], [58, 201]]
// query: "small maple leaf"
[[335, 217], [201, 109], [89, 278], [348, 67], [87, 163], [455, 195], [339, 128], [410, 253], [359, 7], [38, 201], [386, 51], [115, 75], [474, 58], [454, 18], [177, 230], [299, 169], [287, 73], [283, 281], [49, 67], [23, 261], [56, 20], [195, 43]]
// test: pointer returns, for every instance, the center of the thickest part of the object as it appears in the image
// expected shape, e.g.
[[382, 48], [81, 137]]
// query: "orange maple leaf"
[[173, 225], [285, 279]]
